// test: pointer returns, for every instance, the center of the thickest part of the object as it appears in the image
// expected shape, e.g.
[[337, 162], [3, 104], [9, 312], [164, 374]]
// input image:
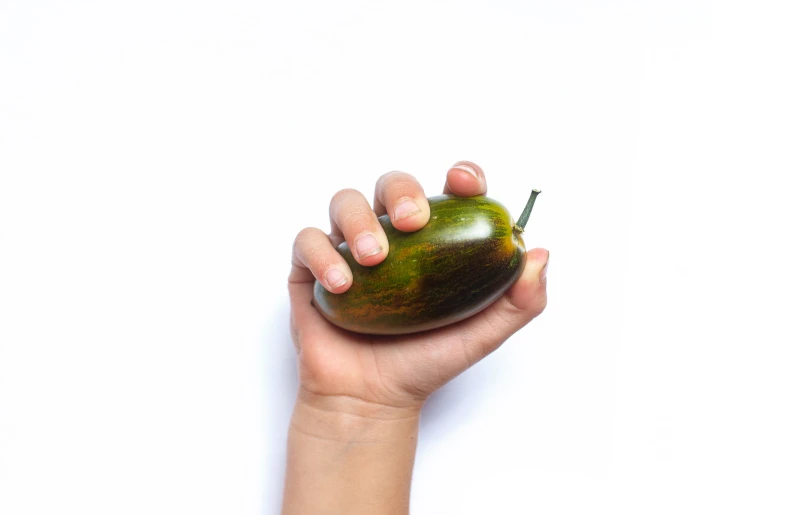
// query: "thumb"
[[524, 301], [527, 297]]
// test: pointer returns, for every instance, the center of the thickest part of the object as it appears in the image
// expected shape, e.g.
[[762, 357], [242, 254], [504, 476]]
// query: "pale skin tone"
[[352, 437]]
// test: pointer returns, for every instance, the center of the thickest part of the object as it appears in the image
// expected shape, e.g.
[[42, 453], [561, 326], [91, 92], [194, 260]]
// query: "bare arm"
[[349, 456]]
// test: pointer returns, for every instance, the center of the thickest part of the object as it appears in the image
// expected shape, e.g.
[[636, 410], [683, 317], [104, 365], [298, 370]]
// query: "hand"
[[338, 367], [353, 433]]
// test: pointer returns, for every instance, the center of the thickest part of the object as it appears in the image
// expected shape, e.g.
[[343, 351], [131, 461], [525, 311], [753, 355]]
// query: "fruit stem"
[[522, 220]]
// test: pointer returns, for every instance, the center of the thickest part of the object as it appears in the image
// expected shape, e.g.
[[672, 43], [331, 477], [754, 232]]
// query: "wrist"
[[344, 418], [347, 455]]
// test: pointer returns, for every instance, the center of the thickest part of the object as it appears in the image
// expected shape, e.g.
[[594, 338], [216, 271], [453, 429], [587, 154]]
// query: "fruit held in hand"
[[465, 258]]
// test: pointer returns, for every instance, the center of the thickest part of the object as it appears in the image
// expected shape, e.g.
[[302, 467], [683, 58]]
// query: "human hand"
[[353, 372]]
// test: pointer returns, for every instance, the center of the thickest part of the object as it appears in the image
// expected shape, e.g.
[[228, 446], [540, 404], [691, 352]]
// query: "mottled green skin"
[[464, 259]]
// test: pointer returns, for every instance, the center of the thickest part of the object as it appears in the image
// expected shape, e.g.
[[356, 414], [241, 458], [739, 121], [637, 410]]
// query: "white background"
[[157, 158]]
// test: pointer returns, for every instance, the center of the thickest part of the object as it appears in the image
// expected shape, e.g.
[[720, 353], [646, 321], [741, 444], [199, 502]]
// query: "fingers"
[[314, 257], [353, 219], [465, 179], [524, 301], [397, 194], [400, 195]]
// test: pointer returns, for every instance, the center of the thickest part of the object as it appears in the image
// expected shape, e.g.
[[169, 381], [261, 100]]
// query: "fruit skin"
[[464, 259]]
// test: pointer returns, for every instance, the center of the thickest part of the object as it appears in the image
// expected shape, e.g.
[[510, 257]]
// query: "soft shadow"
[[454, 403], [281, 388]]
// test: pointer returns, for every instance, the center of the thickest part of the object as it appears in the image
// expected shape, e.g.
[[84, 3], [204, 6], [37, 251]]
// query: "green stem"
[[522, 220]]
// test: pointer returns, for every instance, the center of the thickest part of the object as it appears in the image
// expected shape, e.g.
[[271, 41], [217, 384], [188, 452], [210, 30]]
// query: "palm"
[[386, 370]]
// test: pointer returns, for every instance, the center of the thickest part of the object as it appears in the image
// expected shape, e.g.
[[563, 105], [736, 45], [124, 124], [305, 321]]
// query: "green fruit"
[[465, 258]]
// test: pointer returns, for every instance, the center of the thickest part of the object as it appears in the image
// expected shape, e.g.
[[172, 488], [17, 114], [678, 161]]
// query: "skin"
[[352, 437]]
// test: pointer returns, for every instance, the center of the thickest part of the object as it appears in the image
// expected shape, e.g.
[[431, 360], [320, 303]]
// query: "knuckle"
[[404, 188], [540, 306], [303, 236], [348, 204], [399, 186], [318, 257], [308, 244], [387, 178], [342, 195], [355, 217], [526, 312]]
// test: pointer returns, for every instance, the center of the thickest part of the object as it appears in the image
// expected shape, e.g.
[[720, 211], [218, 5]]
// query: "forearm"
[[350, 457]]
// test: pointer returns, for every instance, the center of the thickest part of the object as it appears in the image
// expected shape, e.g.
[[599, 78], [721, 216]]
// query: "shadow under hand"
[[281, 389], [455, 403]]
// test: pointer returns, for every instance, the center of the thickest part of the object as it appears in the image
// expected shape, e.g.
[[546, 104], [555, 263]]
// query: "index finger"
[[314, 257]]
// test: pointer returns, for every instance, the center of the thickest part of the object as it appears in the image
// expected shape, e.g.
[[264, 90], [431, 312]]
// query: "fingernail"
[[469, 169], [545, 269], [367, 245], [405, 208], [335, 278]]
